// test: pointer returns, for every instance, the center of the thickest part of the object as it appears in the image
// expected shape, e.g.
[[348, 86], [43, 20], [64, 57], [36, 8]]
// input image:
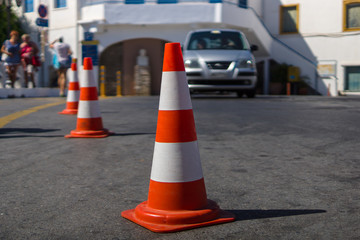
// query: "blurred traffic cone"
[[89, 121], [177, 197], [72, 100], [328, 90]]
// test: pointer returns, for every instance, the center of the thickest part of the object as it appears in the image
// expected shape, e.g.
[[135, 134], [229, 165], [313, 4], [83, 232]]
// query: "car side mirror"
[[254, 48]]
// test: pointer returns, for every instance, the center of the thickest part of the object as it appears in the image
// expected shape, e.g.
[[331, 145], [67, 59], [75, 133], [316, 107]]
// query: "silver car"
[[220, 60]]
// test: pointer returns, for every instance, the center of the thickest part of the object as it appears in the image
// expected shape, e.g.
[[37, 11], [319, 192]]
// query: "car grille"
[[220, 82], [193, 74], [218, 65], [247, 74]]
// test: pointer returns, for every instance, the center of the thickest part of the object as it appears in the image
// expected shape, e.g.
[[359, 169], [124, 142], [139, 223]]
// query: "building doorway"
[[112, 59], [122, 57]]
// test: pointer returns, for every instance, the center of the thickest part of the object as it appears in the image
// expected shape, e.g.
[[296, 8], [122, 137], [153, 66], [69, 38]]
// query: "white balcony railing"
[[240, 3], [93, 2]]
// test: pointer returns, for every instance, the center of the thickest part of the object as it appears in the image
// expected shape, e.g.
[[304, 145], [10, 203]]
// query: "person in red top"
[[29, 51]]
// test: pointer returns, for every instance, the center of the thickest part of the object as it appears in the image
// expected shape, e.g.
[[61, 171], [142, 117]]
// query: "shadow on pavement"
[[242, 215], [130, 134], [228, 96], [4, 131], [26, 130]]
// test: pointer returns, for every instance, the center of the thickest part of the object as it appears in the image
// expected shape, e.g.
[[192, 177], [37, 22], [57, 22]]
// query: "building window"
[[243, 3], [352, 78], [289, 19], [60, 3], [351, 16], [134, 1], [166, 1], [29, 5]]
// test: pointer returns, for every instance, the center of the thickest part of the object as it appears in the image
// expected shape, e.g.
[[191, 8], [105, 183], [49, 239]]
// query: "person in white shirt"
[[63, 54]]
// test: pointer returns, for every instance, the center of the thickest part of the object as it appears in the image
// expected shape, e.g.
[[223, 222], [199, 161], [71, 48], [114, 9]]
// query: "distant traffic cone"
[[177, 197], [72, 100], [89, 121], [328, 90]]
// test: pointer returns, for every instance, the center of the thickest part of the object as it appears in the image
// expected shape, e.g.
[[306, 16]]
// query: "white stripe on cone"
[[88, 109], [184, 166], [73, 96], [88, 80], [74, 77], [174, 92]]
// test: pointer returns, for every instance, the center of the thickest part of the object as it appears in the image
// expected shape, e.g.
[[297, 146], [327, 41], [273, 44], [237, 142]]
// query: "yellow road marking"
[[7, 119]]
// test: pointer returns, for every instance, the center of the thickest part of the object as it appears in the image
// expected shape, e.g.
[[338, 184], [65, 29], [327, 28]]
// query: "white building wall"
[[271, 15], [320, 16], [114, 34], [63, 23], [320, 37], [257, 6], [150, 13], [65, 17], [92, 13]]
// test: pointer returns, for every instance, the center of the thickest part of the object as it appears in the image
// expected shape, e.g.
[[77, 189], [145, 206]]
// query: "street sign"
[[93, 42], [42, 10], [88, 36], [293, 74], [41, 22], [327, 68], [91, 51]]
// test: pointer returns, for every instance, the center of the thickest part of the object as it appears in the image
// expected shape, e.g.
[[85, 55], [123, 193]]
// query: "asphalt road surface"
[[287, 167]]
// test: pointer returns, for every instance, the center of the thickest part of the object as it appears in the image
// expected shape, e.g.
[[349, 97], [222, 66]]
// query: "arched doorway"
[[122, 57], [112, 59]]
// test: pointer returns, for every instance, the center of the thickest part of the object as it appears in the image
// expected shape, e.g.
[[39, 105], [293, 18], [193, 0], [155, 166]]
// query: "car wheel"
[[240, 94], [251, 93]]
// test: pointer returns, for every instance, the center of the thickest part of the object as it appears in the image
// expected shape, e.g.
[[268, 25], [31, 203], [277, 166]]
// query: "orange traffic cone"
[[177, 197], [89, 121], [328, 90], [72, 100]]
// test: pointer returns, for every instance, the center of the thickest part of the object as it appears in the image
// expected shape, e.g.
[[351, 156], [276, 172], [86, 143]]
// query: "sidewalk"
[[28, 92]]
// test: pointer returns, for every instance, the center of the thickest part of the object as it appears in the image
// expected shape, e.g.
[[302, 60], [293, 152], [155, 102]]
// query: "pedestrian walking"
[[11, 48], [63, 55], [29, 58]]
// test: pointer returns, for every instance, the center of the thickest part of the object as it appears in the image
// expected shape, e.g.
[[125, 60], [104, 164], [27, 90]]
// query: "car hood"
[[217, 55]]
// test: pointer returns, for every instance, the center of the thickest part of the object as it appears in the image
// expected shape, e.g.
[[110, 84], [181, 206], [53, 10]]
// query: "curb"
[[28, 92]]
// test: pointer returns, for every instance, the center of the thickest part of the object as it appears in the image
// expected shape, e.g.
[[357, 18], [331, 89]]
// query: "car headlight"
[[246, 63], [192, 63]]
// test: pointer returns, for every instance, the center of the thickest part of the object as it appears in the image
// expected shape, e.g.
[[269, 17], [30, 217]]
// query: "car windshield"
[[226, 40]]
